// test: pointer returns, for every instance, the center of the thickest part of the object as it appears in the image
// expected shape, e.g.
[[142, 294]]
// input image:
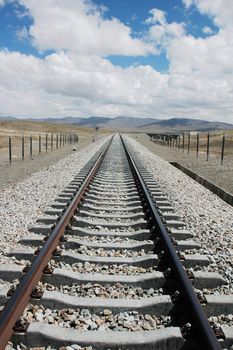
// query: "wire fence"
[[207, 144], [21, 147]]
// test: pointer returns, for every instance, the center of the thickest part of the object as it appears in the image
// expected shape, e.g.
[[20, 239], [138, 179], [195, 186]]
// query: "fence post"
[[223, 146], [10, 150], [46, 142], [51, 141], [31, 146], [197, 144], [188, 142], [57, 141], [39, 144], [208, 147], [22, 147], [179, 143]]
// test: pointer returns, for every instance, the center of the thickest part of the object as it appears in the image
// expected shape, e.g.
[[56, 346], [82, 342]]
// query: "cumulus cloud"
[[156, 17], [81, 26], [220, 10], [87, 78], [78, 80], [207, 30], [211, 56], [188, 3], [64, 84], [161, 32]]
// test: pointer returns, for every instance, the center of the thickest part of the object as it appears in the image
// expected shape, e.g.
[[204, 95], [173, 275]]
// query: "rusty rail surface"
[[19, 300]]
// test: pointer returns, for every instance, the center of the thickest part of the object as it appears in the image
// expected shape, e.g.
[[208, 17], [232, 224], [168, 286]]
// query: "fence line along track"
[[115, 280]]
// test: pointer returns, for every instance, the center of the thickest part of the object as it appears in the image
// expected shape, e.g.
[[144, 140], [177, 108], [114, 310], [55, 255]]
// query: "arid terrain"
[[17, 129]]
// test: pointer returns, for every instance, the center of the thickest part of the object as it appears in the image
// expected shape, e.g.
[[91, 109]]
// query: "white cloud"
[[64, 84], [80, 77], [79, 81], [207, 30], [156, 16], [80, 26], [188, 3], [161, 32], [220, 10]]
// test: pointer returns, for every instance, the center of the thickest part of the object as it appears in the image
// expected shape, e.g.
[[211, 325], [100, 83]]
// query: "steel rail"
[[19, 300], [204, 334]]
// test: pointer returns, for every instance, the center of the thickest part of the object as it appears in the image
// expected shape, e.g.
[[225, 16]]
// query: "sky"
[[136, 58]]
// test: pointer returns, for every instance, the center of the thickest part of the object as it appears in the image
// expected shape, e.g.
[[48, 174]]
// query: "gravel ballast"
[[105, 320], [87, 267], [208, 217], [116, 291], [23, 203]]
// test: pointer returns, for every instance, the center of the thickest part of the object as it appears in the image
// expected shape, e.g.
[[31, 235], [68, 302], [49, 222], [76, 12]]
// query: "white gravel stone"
[[116, 291], [105, 320], [23, 203]]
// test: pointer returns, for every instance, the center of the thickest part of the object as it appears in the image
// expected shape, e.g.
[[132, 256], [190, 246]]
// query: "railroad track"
[[101, 269]]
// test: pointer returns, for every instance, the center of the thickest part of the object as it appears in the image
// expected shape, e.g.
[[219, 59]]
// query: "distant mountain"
[[103, 122], [186, 124], [65, 120], [8, 118], [118, 122], [136, 124]]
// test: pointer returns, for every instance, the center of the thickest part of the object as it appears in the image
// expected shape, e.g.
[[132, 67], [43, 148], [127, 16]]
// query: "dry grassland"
[[216, 138], [17, 129]]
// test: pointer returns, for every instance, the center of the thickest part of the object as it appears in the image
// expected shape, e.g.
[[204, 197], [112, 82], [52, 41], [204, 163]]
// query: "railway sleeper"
[[69, 257], [154, 279], [135, 204], [40, 334], [157, 305], [133, 198], [75, 243], [112, 187], [113, 215], [143, 234], [127, 209], [87, 222]]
